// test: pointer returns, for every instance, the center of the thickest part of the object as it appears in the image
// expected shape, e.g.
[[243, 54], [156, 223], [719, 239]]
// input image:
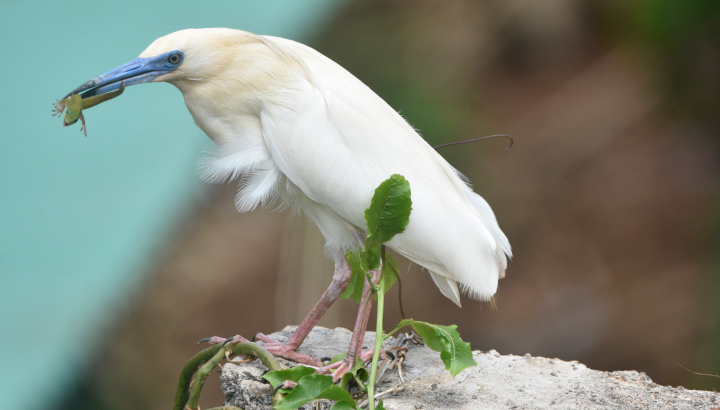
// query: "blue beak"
[[138, 71]]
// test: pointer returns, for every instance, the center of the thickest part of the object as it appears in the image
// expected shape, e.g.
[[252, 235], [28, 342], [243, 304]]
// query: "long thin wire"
[[399, 282], [478, 139]]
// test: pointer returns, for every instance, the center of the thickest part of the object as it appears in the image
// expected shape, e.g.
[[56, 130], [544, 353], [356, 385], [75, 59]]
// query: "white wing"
[[336, 140]]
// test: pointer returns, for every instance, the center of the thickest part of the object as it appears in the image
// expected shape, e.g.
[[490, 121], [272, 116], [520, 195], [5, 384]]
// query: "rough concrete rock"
[[497, 382]]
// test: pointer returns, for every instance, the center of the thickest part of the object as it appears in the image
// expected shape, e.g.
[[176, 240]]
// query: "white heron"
[[295, 127]]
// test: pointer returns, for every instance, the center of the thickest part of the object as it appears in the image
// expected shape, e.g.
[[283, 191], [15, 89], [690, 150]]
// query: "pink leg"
[[362, 319], [358, 335], [288, 350]]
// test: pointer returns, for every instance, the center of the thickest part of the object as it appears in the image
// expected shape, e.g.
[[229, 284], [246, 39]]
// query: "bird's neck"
[[224, 118]]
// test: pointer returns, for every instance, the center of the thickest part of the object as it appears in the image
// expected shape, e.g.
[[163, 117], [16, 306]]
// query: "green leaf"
[[380, 405], [358, 372], [343, 405], [388, 215], [342, 397], [455, 353], [357, 280], [337, 358], [277, 377], [346, 379], [308, 389], [372, 257], [389, 273]]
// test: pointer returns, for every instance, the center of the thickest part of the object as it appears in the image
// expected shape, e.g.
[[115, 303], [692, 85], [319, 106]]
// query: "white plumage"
[[294, 126]]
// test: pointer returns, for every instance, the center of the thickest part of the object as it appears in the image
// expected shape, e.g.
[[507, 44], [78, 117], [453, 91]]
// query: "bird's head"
[[189, 58]]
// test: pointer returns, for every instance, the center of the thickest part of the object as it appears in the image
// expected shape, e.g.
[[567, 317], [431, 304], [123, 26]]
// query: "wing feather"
[[337, 140]]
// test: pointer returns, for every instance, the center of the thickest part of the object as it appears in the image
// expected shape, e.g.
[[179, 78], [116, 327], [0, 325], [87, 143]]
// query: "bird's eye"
[[174, 58]]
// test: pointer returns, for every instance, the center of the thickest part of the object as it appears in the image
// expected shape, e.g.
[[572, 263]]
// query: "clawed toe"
[[338, 369], [215, 340], [265, 339], [278, 348], [287, 384]]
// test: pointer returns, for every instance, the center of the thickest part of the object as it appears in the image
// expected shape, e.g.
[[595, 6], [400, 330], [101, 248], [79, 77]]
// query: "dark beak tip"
[[85, 87]]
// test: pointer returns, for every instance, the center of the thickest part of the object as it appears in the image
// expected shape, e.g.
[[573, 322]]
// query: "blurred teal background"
[[79, 217]]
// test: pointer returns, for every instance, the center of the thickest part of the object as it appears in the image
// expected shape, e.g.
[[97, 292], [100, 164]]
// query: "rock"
[[498, 381]]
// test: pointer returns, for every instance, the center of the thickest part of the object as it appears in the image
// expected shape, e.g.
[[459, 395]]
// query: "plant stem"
[[187, 397], [202, 374], [391, 333], [183, 390], [378, 347]]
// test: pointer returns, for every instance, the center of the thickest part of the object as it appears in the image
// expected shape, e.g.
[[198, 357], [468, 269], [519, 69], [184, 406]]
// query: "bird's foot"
[[216, 340], [277, 348], [338, 369]]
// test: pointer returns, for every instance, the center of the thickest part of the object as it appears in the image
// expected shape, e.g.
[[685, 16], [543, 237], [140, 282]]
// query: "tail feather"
[[448, 287]]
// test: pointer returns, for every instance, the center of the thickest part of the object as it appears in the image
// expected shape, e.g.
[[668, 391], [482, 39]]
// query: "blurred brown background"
[[609, 195]]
